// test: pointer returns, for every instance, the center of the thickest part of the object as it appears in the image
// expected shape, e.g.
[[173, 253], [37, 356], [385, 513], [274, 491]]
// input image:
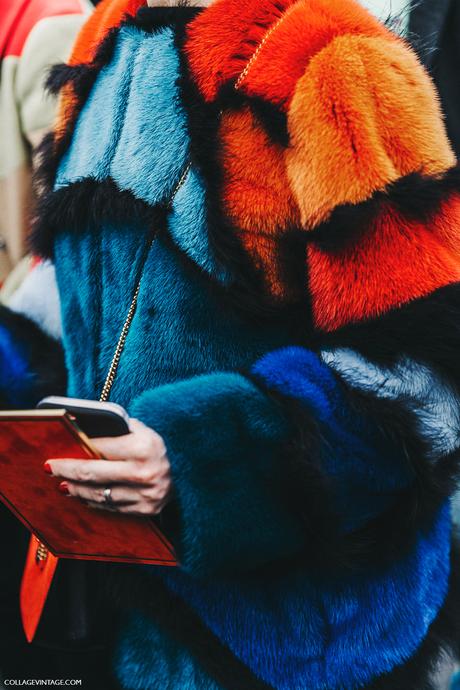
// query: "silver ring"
[[107, 493]]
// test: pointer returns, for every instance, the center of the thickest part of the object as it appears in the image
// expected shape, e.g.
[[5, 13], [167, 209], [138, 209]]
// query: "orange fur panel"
[[256, 194], [364, 114], [68, 102], [446, 223], [107, 15], [222, 39], [395, 262], [304, 30]]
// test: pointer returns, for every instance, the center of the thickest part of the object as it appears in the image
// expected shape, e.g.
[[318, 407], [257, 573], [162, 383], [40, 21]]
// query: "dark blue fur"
[[31, 362]]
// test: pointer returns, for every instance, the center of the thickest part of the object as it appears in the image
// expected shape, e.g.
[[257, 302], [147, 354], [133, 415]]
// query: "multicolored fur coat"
[[296, 338]]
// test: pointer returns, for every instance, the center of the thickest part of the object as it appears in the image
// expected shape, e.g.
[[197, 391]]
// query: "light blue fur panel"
[[188, 227], [431, 399], [152, 150], [98, 126], [132, 128]]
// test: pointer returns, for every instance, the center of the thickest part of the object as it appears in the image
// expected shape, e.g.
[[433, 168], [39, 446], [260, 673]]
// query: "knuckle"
[[145, 474], [158, 494], [142, 451], [84, 474], [146, 494], [159, 444]]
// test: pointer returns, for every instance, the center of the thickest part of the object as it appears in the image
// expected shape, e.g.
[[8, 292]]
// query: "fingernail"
[[64, 488], [47, 468]]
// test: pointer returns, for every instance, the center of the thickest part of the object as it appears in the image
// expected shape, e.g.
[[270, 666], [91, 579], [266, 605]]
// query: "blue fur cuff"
[[223, 438]]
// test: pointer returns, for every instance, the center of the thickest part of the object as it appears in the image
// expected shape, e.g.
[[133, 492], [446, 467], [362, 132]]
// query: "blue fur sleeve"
[[250, 488], [223, 438], [31, 362], [363, 464]]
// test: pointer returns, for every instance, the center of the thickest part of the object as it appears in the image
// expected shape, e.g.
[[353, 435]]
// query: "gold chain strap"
[[255, 55], [132, 308], [41, 553]]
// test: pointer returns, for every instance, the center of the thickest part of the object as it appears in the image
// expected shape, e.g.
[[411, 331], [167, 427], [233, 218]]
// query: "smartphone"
[[93, 417]]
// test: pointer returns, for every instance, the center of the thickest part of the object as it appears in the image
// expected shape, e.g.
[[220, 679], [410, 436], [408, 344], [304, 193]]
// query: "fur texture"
[[247, 614], [419, 198], [222, 41], [209, 660], [421, 672], [398, 490], [68, 207], [358, 283], [259, 460], [249, 491], [433, 401], [344, 148], [31, 362], [404, 332]]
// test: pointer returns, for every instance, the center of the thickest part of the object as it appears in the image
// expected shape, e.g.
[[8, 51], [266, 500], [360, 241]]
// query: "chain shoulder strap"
[[110, 378]]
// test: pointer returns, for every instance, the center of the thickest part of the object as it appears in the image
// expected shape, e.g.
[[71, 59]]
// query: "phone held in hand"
[[94, 418]]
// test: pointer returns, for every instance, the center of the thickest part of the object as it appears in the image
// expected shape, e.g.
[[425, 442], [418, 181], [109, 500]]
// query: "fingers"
[[141, 444], [110, 472], [137, 469], [94, 494], [139, 508], [96, 471], [123, 499]]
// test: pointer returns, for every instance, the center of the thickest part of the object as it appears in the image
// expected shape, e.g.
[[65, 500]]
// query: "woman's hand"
[[135, 469]]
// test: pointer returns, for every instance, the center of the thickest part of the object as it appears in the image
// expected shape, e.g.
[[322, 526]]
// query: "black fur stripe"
[[87, 204], [152, 19], [426, 330], [417, 197]]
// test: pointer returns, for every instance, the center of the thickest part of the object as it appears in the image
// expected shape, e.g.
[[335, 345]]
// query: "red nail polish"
[[64, 488], [47, 468]]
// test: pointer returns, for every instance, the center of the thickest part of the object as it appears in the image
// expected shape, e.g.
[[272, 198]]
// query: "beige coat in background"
[[49, 28]]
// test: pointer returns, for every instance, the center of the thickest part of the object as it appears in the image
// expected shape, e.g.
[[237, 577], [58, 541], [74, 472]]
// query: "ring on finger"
[[107, 494]]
